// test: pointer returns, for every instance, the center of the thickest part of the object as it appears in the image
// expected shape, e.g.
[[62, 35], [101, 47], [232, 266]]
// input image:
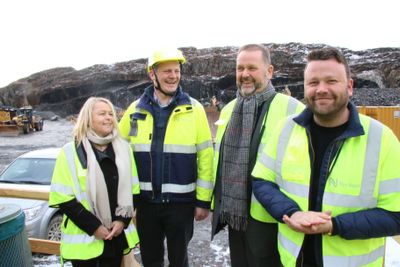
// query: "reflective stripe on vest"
[[267, 161], [204, 145], [184, 149], [354, 261], [292, 106], [169, 148], [69, 153], [365, 199], [176, 188], [169, 188], [66, 190], [289, 245], [253, 198], [388, 187], [131, 228], [348, 261], [135, 180], [141, 147], [77, 239], [146, 186], [60, 188], [217, 147], [204, 184]]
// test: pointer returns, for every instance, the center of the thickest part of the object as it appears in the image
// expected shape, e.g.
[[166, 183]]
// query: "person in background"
[[93, 184], [171, 140], [217, 103], [254, 113], [330, 175]]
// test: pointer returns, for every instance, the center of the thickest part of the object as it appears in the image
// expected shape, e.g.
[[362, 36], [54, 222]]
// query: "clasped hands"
[[107, 234], [310, 222]]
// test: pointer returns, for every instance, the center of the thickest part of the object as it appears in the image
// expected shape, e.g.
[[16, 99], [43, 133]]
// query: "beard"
[[327, 112], [248, 91]]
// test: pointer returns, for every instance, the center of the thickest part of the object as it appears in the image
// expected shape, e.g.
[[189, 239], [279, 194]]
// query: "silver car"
[[34, 170]]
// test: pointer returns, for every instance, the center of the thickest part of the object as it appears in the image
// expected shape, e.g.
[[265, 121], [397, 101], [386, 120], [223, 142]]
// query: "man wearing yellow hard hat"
[[168, 131]]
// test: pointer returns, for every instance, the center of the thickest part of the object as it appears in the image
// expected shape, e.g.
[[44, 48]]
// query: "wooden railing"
[[42, 245], [37, 245]]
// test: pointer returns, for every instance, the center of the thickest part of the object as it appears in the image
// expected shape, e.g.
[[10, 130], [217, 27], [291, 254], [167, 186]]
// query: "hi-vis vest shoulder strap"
[[69, 154]]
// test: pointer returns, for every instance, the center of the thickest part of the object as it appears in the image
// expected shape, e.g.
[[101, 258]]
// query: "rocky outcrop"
[[209, 72]]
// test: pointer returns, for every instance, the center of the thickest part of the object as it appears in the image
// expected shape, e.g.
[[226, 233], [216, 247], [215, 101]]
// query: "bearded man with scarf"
[[255, 111], [93, 184]]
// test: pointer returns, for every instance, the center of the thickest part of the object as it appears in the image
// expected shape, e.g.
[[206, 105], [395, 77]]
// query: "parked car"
[[34, 170]]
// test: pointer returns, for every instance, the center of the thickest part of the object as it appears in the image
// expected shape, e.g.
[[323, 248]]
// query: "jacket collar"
[[354, 127], [147, 99]]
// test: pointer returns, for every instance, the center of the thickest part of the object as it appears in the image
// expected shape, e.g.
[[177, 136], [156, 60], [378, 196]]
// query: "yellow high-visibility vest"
[[365, 175], [281, 107], [69, 182]]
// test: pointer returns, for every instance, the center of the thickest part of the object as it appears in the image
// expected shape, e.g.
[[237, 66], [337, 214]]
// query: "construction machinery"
[[14, 121]]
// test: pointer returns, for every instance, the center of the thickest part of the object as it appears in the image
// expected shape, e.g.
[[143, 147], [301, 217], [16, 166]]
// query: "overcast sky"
[[41, 34]]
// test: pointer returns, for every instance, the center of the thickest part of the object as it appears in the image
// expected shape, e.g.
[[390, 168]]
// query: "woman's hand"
[[101, 232], [116, 229]]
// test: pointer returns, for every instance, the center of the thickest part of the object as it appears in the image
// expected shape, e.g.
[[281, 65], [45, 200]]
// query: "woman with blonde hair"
[[93, 184]]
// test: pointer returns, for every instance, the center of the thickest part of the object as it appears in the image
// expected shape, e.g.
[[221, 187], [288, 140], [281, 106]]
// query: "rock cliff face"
[[209, 72]]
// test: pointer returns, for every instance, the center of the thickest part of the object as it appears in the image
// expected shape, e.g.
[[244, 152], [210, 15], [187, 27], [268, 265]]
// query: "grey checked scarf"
[[235, 158]]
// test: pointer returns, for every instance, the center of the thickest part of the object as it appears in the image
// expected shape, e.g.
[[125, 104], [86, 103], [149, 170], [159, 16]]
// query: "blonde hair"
[[84, 122]]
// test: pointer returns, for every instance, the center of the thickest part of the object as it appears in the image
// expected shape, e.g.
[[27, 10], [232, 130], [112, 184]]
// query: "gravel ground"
[[376, 97]]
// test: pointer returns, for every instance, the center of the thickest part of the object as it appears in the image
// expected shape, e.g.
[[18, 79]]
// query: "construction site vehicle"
[[8, 126], [30, 121], [14, 121]]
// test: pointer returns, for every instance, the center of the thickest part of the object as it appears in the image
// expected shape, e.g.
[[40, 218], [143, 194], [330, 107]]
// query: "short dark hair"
[[329, 53], [265, 51]]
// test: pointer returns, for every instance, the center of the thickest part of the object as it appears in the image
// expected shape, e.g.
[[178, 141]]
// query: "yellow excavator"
[[14, 121]]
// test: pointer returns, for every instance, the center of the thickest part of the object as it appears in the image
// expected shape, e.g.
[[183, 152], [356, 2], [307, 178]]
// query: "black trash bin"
[[14, 245]]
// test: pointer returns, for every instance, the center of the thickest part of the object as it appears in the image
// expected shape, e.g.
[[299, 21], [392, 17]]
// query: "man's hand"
[[200, 214], [309, 222], [116, 229]]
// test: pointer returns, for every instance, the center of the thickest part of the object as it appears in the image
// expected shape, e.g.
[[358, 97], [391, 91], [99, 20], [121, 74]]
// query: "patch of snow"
[[392, 253]]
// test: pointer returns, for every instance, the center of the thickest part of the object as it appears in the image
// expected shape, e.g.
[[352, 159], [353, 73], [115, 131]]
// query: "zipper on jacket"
[[151, 175], [151, 168], [336, 156], [312, 162], [175, 111]]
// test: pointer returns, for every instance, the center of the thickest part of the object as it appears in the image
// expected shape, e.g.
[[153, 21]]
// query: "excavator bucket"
[[8, 126], [9, 130]]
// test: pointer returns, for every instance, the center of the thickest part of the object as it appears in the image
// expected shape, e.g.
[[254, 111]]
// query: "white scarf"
[[95, 183]]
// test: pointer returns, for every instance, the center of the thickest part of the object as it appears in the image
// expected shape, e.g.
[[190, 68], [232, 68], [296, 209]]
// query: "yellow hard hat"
[[165, 55]]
